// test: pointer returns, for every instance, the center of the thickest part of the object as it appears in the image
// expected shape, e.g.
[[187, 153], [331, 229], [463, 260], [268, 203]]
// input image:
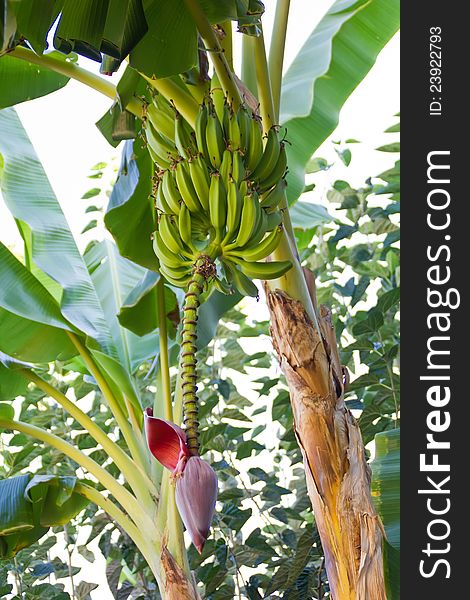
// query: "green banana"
[[260, 250], [160, 145], [234, 139], [165, 255], [218, 98], [161, 162], [269, 159], [260, 230], [171, 192], [214, 139], [161, 119], [185, 227], [278, 171], [226, 165], [243, 188], [273, 198], [161, 201], [243, 117], [234, 210], [183, 139], [238, 167], [263, 270], [200, 131], [249, 219], [186, 188], [178, 277], [243, 283], [255, 147], [201, 180], [170, 235], [217, 205]]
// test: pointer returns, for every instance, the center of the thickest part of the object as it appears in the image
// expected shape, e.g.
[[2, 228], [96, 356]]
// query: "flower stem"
[[188, 361], [204, 268], [276, 52], [72, 70], [215, 51]]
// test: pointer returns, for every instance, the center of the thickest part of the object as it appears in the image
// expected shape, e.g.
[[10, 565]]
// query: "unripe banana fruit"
[[219, 192]]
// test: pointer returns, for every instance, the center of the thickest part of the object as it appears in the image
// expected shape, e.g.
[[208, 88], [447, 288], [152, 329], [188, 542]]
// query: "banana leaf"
[[30, 198], [22, 80], [29, 506], [336, 57]]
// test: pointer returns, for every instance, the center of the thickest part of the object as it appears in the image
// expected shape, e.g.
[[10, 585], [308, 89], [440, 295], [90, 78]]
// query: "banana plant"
[[203, 203]]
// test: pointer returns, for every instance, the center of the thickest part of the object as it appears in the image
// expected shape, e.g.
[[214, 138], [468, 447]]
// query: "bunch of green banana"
[[218, 193]]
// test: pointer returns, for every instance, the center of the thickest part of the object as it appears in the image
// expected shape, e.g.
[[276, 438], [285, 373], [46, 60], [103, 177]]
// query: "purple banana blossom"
[[196, 481]]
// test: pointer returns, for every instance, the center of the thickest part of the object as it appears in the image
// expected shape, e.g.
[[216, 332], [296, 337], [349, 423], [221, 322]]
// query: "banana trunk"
[[338, 477], [177, 585]]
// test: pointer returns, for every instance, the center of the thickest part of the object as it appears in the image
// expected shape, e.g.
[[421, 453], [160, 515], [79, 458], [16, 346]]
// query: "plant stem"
[[188, 357], [123, 496], [227, 44], [141, 540], [72, 70], [164, 362], [139, 481], [215, 52], [248, 66], [135, 448], [276, 52], [264, 84], [293, 282], [175, 94]]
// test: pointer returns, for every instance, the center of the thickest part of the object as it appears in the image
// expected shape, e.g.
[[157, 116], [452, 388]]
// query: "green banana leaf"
[[11, 384], [22, 81], [27, 340], [30, 198], [114, 279], [386, 495], [22, 294], [29, 20], [129, 216], [139, 311], [336, 57], [29, 506]]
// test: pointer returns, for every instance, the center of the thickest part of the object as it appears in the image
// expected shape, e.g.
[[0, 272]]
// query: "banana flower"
[[196, 481]]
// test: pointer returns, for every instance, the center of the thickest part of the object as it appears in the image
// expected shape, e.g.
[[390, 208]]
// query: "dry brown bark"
[[338, 477], [177, 585]]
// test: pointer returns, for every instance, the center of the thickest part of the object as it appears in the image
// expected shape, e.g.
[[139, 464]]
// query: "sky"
[[61, 127]]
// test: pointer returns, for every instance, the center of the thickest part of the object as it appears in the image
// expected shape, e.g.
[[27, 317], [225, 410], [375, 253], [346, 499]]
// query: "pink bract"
[[196, 495], [166, 441]]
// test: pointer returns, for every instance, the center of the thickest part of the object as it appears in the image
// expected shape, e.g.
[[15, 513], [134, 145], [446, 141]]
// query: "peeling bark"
[[338, 477], [177, 586]]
